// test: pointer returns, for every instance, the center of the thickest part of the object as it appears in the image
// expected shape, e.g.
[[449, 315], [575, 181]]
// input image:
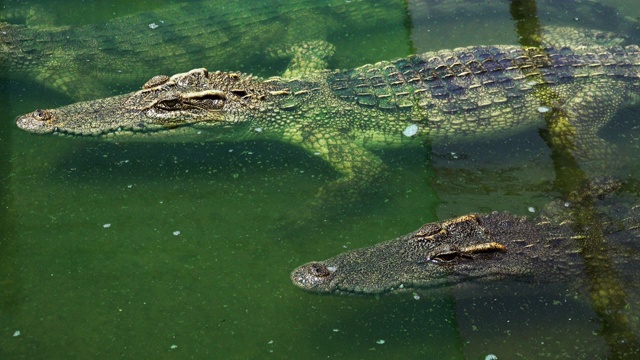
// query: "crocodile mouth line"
[[120, 132]]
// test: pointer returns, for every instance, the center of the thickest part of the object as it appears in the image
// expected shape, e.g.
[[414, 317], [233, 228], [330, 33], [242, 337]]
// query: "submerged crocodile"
[[478, 248], [342, 115], [90, 60]]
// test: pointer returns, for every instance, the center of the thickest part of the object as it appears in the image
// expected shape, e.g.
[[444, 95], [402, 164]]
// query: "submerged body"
[[475, 248], [89, 61]]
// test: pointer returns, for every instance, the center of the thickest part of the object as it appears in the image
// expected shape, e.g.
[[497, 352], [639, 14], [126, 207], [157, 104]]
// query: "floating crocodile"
[[342, 115], [478, 248], [593, 252]]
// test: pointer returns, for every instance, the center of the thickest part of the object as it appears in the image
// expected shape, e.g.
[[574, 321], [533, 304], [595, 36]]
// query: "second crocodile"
[[474, 248]]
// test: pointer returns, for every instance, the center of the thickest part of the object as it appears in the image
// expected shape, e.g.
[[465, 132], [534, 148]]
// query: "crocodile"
[[592, 252], [473, 248], [342, 116]]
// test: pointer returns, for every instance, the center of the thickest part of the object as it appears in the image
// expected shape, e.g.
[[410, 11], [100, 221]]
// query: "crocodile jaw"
[[193, 100], [115, 116], [82, 119]]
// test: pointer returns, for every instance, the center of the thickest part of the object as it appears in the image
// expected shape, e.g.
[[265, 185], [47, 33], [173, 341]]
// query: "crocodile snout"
[[39, 122]]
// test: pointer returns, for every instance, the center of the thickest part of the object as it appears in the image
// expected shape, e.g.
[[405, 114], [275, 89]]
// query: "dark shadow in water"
[[572, 183]]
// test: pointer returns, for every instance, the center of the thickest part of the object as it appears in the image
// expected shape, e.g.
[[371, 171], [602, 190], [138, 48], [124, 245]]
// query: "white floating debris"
[[270, 342], [106, 226], [153, 26], [17, 333], [174, 346], [490, 357], [258, 129], [410, 130], [567, 204], [176, 233], [416, 296], [335, 330], [531, 209], [380, 342], [544, 109]]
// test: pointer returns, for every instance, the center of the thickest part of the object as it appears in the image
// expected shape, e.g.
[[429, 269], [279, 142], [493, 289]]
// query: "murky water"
[[184, 250]]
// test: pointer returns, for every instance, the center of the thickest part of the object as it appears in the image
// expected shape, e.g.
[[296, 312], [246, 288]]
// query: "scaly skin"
[[474, 248], [89, 61], [341, 116]]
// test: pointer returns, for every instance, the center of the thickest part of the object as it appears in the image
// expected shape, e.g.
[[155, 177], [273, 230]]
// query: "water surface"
[[181, 251]]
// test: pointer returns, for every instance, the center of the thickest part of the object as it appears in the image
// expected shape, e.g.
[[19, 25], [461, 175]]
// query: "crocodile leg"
[[574, 126], [358, 167], [306, 58]]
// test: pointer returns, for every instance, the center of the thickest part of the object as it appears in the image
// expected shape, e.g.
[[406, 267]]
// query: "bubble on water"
[[410, 130]]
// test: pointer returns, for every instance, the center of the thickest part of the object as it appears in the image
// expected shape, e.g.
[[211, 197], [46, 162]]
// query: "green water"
[[118, 250]]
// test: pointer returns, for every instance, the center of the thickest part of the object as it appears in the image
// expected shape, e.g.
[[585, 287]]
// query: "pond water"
[[183, 250]]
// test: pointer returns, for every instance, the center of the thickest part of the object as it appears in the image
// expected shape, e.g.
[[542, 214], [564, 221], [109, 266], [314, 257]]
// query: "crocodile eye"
[[444, 258], [444, 254], [168, 104]]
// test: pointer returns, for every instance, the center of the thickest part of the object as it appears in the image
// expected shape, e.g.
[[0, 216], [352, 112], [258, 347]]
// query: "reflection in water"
[[604, 284]]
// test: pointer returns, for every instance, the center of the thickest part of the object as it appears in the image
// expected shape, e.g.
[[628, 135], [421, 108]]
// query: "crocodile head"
[[187, 103], [473, 248]]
